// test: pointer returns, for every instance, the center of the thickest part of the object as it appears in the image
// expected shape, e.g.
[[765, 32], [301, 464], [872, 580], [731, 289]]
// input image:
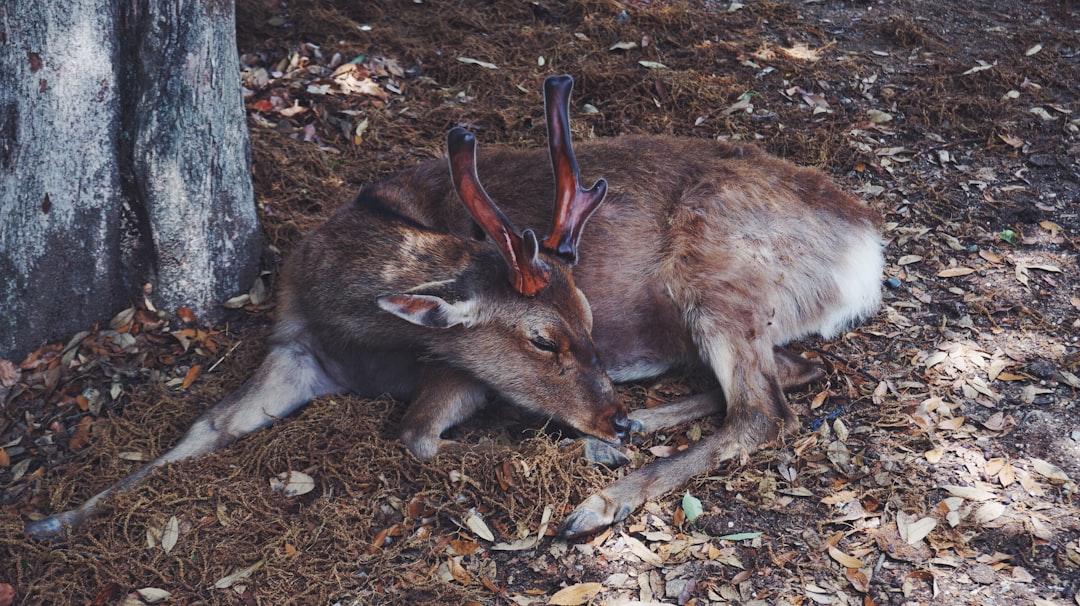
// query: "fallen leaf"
[[476, 524], [803, 52], [153, 595], [292, 483], [954, 272], [81, 436], [191, 375], [1049, 471], [228, 581], [623, 46], [458, 571], [471, 61], [740, 536], [989, 512], [1012, 140], [170, 534], [995, 422], [7, 594], [968, 492], [643, 552], [652, 64], [1033, 50], [844, 559], [575, 594], [691, 506], [914, 531]]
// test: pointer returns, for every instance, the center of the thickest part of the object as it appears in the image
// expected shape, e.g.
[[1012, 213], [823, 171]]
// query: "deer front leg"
[[444, 397], [289, 377], [757, 412]]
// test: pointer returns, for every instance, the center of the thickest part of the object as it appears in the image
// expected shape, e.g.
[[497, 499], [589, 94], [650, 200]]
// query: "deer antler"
[[573, 205], [528, 273]]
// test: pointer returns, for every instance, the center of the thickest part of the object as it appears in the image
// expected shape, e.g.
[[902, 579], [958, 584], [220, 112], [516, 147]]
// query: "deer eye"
[[544, 344]]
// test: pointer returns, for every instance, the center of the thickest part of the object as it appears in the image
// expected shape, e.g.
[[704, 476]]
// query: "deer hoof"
[[50, 528], [595, 514], [599, 452]]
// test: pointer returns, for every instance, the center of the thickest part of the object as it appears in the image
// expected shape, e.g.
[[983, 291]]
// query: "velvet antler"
[[573, 205], [528, 272]]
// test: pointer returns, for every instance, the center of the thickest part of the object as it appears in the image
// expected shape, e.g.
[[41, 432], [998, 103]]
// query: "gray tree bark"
[[124, 163]]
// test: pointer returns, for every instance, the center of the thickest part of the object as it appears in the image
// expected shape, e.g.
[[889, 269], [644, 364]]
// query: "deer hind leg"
[[756, 412], [289, 377], [794, 371]]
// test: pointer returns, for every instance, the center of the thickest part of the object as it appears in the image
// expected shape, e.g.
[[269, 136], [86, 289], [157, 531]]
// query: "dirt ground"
[[937, 463]]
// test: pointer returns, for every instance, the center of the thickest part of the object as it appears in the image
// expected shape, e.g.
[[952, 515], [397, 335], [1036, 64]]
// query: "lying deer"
[[375, 302], [703, 254]]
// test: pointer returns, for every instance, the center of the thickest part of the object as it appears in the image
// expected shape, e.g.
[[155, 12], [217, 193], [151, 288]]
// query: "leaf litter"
[[938, 460]]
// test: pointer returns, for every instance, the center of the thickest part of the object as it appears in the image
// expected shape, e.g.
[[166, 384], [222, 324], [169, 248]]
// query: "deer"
[[374, 302], [705, 255]]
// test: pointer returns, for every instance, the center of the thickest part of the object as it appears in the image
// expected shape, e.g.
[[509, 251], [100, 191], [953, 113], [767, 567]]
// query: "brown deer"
[[374, 302], [704, 254]]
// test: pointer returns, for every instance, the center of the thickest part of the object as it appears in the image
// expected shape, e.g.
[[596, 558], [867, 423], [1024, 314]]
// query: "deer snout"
[[620, 422]]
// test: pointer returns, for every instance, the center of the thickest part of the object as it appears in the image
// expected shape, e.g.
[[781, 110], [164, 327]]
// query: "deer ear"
[[428, 310]]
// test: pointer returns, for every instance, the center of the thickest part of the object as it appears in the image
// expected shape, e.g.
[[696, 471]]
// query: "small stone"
[[982, 574]]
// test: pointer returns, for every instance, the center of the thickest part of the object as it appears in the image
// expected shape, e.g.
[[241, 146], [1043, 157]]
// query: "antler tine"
[[573, 205], [528, 272]]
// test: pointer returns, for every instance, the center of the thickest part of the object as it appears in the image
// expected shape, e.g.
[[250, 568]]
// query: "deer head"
[[528, 338]]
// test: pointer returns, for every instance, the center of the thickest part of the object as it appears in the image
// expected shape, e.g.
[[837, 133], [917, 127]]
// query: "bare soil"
[[937, 463]]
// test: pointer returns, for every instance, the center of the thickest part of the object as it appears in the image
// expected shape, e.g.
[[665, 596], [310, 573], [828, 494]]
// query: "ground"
[[936, 463]]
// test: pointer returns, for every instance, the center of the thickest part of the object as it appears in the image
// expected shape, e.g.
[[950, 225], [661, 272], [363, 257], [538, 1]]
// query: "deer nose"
[[622, 425]]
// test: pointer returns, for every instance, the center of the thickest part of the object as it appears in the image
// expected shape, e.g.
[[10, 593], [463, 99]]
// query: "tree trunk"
[[124, 163]]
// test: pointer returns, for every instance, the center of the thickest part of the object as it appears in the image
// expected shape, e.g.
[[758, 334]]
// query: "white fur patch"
[[858, 279]]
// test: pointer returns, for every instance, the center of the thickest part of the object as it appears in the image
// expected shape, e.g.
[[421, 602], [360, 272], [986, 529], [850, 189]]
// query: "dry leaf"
[[170, 534], [81, 436], [954, 272], [575, 594], [192, 374], [471, 61], [996, 422], [914, 531], [642, 551], [1049, 471], [153, 595], [458, 571], [228, 581], [858, 579], [652, 64], [951, 424], [968, 492], [479, 528], [989, 512], [844, 559], [803, 52], [292, 483]]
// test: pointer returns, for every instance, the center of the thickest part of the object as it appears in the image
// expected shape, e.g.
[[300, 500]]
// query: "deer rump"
[[704, 253]]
